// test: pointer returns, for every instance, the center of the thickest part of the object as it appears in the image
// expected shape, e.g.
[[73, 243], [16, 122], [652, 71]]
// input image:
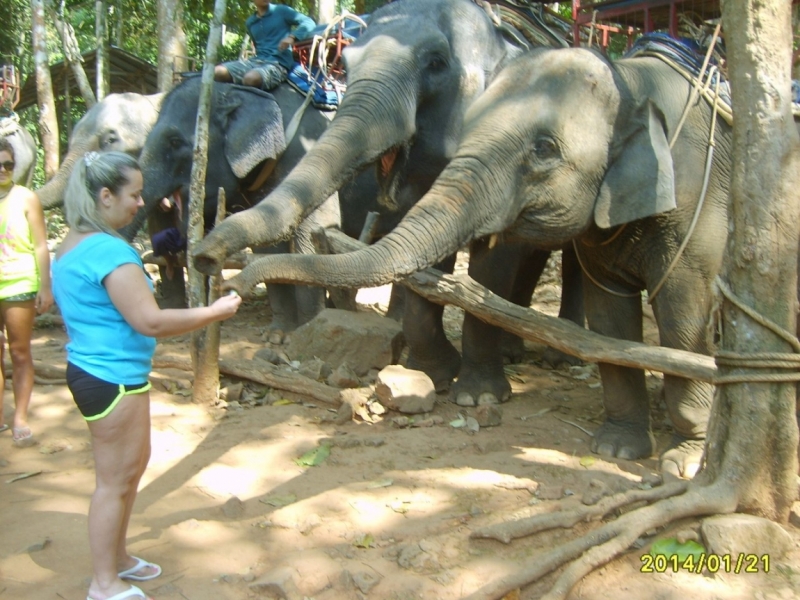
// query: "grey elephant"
[[246, 158], [567, 146], [24, 149], [410, 78], [118, 122]]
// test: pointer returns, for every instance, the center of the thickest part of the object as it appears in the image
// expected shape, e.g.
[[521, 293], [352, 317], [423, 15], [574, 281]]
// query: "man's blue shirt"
[[267, 31]]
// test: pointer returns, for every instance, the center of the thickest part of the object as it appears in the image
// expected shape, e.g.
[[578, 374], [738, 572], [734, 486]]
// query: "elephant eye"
[[545, 148], [175, 143], [437, 64], [108, 140]]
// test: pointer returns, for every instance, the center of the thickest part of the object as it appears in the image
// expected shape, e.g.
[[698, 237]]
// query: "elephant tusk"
[[492, 241]]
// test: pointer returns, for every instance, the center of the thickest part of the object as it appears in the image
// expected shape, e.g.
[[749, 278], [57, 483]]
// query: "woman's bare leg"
[[121, 445]]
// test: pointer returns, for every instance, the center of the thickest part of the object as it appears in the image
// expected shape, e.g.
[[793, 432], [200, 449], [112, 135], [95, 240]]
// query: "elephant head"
[[120, 122], [24, 149], [245, 129], [555, 146], [410, 78]]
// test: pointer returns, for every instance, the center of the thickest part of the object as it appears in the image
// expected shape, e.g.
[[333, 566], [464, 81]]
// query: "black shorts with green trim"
[[95, 397]]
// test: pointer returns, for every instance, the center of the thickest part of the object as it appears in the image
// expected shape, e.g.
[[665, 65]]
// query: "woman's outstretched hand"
[[226, 306]]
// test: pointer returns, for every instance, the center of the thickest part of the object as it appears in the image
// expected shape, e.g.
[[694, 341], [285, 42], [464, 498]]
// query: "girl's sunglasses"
[[7, 165]]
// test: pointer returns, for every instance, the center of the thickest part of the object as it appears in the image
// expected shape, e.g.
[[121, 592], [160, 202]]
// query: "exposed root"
[[505, 532], [612, 539]]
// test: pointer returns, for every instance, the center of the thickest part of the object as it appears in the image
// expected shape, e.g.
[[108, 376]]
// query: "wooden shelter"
[[128, 73]]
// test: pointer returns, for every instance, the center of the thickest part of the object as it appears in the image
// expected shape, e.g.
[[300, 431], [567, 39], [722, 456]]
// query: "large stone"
[[363, 341], [405, 390], [745, 534]]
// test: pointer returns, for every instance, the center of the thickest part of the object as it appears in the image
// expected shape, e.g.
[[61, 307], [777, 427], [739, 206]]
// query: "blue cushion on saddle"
[[351, 30], [684, 52], [324, 98]]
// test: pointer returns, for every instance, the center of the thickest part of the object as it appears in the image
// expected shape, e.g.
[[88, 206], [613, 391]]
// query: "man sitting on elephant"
[[270, 28]]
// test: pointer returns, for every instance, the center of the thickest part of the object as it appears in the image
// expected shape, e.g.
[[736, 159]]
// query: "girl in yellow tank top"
[[24, 286]]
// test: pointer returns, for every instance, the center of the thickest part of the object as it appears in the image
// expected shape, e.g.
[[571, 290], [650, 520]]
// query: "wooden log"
[[464, 292], [260, 372]]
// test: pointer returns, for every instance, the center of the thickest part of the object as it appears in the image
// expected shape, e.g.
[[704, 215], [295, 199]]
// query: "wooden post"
[[206, 382]]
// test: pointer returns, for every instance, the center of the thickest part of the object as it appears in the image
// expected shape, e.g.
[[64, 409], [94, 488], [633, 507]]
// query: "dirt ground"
[[224, 506]]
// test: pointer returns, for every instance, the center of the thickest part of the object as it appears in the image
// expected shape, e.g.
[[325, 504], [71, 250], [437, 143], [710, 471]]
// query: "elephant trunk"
[[377, 114], [440, 224], [51, 194]]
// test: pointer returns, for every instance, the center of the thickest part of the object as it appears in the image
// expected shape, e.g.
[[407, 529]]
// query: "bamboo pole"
[[206, 379]]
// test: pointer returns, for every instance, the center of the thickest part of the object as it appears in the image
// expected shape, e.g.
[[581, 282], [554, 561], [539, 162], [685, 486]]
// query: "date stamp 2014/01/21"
[[713, 563]]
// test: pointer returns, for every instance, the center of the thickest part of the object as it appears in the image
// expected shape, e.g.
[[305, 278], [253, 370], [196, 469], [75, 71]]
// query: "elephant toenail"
[[487, 398], [464, 399], [690, 470], [627, 453], [605, 450]]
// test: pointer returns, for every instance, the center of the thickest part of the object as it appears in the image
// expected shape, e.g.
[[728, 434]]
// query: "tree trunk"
[[206, 369], [326, 11], [101, 32], [118, 28], [72, 55], [753, 434], [48, 121], [796, 53], [171, 42]]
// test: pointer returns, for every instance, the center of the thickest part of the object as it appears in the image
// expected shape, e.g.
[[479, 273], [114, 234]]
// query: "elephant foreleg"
[[482, 379], [626, 432], [429, 350]]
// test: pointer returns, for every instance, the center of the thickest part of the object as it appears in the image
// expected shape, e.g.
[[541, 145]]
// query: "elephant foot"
[[477, 387], [683, 459], [512, 347], [442, 371], [278, 332], [630, 441], [553, 359]]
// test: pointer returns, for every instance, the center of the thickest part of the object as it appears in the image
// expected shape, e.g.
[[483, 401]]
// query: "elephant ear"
[[640, 182], [254, 131]]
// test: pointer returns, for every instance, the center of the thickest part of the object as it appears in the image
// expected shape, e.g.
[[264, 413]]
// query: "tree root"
[[608, 541], [510, 530]]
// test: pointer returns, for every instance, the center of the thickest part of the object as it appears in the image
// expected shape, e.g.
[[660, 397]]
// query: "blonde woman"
[[112, 320]]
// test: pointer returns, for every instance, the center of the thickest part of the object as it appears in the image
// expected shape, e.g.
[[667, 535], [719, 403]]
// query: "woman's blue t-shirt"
[[102, 342]]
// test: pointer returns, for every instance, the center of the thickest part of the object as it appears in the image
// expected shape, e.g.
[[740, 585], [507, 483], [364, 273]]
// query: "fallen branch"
[[264, 373], [464, 292]]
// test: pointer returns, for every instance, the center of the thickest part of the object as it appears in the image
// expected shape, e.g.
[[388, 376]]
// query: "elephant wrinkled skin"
[[585, 158], [410, 78]]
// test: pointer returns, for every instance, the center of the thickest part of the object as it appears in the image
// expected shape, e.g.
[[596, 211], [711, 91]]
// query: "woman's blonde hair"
[[91, 174]]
